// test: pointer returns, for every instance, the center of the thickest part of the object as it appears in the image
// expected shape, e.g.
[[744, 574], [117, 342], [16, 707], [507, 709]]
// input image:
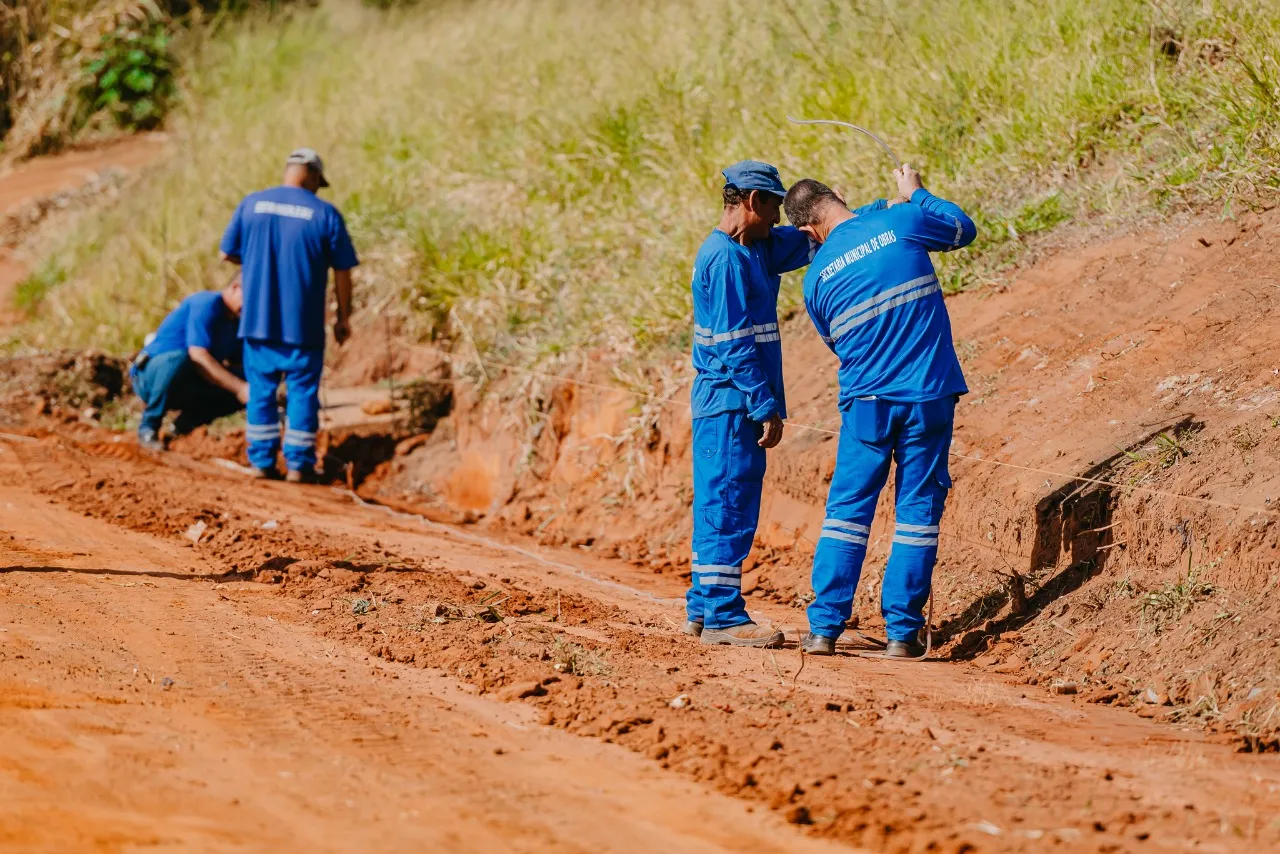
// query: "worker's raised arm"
[[786, 249], [942, 226], [870, 207], [731, 336]]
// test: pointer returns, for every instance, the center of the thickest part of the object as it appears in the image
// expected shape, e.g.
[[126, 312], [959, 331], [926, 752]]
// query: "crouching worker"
[[738, 405], [875, 300], [192, 365]]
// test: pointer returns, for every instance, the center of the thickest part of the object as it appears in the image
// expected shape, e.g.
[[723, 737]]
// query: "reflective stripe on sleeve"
[[763, 333]]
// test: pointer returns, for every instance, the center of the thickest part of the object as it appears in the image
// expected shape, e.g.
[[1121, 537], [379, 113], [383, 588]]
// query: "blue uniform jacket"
[[200, 320], [872, 293], [286, 240], [737, 351]]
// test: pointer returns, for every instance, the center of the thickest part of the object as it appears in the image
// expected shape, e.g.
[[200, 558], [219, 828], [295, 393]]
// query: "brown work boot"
[[746, 634], [818, 644], [904, 649], [692, 627]]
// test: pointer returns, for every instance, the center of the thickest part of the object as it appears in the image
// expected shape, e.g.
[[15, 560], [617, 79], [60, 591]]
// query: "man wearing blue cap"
[[737, 400], [874, 297], [286, 240]]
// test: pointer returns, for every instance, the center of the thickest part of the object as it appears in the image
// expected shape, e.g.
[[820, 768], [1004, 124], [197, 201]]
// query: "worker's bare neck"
[[734, 223], [832, 220]]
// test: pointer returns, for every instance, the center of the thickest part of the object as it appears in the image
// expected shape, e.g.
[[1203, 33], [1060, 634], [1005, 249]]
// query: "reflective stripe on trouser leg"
[[862, 468], [921, 486], [261, 413], [728, 475], [302, 379]]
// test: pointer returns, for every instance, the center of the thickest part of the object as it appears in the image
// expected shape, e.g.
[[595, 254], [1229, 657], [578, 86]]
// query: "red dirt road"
[[147, 707], [335, 674]]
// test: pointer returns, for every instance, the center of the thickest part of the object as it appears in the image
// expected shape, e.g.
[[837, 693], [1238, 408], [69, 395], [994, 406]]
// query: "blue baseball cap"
[[754, 175]]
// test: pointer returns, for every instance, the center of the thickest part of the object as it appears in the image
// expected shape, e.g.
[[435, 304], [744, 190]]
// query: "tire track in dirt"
[[931, 758]]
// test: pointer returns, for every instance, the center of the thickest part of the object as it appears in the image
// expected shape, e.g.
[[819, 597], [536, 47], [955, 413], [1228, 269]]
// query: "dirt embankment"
[[1146, 361]]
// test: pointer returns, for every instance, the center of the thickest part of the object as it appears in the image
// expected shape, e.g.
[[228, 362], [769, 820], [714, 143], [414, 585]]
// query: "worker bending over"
[[737, 399], [192, 365], [872, 293], [286, 241]]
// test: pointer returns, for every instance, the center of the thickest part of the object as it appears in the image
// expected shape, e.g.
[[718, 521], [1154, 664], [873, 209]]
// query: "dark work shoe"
[[150, 440], [302, 475], [692, 627], [903, 649], [818, 645], [746, 634], [264, 474]]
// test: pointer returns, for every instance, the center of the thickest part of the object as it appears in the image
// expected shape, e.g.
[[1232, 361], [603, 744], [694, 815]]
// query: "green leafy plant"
[[132, 78]]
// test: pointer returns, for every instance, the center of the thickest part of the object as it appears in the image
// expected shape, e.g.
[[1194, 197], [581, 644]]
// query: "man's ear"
[[839, 195], [811, 233]]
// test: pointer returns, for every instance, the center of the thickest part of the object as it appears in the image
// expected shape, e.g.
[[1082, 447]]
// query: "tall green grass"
[[536, 175]]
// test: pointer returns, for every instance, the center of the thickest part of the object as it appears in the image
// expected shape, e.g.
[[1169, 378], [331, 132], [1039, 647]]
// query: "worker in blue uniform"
[[872, 293], [191, 364], [286, 240], [737, 397]]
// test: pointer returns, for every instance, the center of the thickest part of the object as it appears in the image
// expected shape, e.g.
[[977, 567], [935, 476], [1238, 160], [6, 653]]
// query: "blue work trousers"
[[916, 436], [728, 476], [265, 366], [170, 381]]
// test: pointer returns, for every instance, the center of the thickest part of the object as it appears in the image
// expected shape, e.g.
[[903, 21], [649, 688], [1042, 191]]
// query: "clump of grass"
[[1174, 600], [31, 291], [1245, 439], [536, 175], [570, 657], [1161, 453]]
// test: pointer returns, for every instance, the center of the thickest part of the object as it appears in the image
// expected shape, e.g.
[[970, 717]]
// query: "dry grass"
[[534, 176]]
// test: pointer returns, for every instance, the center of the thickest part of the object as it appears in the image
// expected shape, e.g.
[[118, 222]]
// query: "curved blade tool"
[[881, 142]]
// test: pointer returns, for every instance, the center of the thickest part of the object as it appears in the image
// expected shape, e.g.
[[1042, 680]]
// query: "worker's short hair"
[[805, 201], [734, 196]]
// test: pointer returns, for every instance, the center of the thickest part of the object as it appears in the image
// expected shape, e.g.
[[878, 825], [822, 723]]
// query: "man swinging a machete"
[[872, 293]]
